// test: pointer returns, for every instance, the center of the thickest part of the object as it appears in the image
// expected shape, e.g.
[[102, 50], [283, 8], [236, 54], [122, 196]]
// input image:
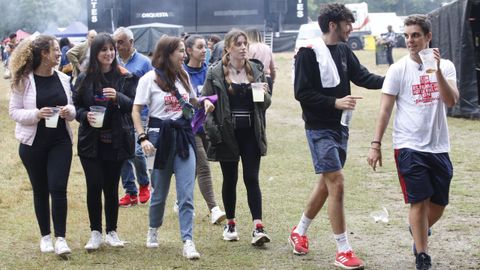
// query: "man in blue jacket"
[[138, 65]]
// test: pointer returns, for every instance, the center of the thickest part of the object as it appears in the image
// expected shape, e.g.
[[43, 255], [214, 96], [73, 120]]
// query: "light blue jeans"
[[184, 170]]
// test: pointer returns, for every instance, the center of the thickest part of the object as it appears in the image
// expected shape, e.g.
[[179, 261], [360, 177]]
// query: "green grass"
[[286, 179]]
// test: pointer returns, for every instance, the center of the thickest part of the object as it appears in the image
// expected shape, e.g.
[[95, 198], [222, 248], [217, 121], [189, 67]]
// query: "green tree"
[[34, 15]]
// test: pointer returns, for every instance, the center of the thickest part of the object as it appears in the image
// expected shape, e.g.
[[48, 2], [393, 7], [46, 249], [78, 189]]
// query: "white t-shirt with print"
[[421, 115], [161, 105]]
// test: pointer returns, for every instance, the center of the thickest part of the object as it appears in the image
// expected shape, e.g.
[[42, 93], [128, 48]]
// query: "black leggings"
[[102, 175], [250, 155], [48, 167]]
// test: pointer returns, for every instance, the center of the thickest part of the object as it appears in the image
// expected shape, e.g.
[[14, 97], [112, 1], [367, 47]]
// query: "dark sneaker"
[[423, 261], [414, 248], [259, 236]]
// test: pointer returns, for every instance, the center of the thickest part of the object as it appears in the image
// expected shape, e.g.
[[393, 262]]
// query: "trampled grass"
[[286, 179]]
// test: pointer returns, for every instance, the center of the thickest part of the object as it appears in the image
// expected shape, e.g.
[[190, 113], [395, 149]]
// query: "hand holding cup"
[[110, 93], [45, 112]]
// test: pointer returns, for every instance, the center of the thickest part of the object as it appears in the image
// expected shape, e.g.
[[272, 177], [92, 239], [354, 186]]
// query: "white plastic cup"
[[428, 60], [151, 159], [258, 92], [52, 121], [346, 118], [98, 114]]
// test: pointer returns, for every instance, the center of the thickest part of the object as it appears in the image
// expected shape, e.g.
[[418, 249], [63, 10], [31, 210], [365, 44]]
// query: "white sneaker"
[[259, 236], [152, 238], [46, 244], [95, 241], [61, 247], [112, 239], [217, 215], [230, 232], [189, 250]]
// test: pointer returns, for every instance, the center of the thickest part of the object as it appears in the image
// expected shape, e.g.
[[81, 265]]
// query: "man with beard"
[[323, 72]]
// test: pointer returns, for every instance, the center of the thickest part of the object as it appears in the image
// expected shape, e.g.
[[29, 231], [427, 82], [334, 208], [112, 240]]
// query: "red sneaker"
[[348, 260], [298, 242], [128, 200], [144, 194]]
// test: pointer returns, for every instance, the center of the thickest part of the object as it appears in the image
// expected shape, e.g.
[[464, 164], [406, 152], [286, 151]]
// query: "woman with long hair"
[[167, 92], [104, 146], [197, 70], [40, 95], [236, 129]]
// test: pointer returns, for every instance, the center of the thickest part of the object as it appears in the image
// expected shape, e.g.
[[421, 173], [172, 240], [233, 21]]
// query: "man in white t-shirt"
[[420, 132]]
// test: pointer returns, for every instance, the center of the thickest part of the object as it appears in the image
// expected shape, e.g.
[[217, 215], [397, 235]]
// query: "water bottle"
[[346, 118]]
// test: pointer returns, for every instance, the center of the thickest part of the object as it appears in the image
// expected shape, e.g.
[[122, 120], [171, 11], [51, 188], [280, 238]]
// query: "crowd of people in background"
[[198, 100]]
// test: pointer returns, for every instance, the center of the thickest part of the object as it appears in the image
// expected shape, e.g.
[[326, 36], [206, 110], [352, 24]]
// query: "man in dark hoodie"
[[322, 86]]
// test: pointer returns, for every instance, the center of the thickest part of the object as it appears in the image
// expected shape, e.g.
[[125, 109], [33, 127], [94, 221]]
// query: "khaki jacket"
[[218, 125]]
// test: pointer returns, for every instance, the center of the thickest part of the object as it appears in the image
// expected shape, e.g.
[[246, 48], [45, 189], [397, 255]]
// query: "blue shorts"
[[328, 148], [424, 175]]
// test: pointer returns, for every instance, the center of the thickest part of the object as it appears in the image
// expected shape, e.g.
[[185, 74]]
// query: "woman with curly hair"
[[39, 92], [104, 146], [236, 129]]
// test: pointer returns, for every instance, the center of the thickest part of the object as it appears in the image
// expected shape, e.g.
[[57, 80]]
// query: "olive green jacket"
[[218, 124]]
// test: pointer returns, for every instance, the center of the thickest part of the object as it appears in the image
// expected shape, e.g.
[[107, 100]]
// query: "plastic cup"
[[52, 121], [346, 118], [258, 92], [151, 160], [428, 60], [99, 114]]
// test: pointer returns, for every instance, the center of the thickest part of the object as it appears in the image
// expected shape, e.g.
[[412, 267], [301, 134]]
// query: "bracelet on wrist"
[[142, 138], [377, 142]]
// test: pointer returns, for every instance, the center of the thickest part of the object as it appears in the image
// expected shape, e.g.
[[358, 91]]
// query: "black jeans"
[[102, 175], [250, 156], [48, 167]]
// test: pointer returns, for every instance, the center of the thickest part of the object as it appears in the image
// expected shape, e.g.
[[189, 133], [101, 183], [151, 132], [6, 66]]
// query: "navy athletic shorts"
[[424, 175], [328, 148]]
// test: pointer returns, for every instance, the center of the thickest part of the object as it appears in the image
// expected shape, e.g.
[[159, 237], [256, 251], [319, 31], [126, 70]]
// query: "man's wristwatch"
[[142, 137]]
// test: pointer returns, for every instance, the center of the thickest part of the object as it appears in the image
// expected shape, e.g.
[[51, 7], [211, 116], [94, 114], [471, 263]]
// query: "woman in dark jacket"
[[236, 129], [103, 147]]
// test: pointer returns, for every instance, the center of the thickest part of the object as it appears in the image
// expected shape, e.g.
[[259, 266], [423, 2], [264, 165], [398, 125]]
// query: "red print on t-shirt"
[[172, 104], [423, 92]]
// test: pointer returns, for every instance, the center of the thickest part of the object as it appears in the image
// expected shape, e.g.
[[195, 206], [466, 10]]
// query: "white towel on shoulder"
[[328, 69]]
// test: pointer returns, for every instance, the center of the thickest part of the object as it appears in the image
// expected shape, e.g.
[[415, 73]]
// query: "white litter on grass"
[[381, 215], [270, 178]]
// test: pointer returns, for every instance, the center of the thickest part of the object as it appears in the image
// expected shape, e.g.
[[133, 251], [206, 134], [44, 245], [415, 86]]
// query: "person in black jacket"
[[322, 86], [236, 129], [103, 147]]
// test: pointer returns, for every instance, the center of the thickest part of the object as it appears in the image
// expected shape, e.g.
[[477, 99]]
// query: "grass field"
[[286, 179]]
